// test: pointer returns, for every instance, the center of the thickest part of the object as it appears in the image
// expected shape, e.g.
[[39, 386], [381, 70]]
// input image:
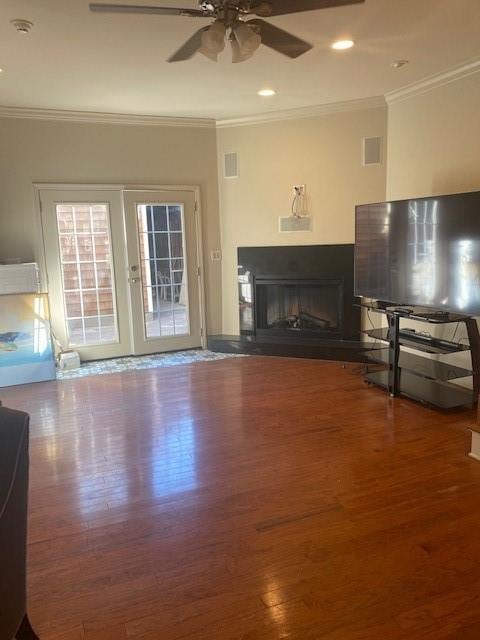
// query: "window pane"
[[90, 304], [65, 218], [68, 247], [85, 248], [75, 332], [82, 221], [176, 264], [104, 276], [160, 272], [167, 326], [181, 321], [165, 291], [87, 275], [70, 276], [108, 329], [92, 329], [85, 256], [73, 303], [105, 302], [100, 218], [175, 218], [159, 218], [161, 245], [177, 277], [165, 295], [176, 243], [102, 246], [150, 311]]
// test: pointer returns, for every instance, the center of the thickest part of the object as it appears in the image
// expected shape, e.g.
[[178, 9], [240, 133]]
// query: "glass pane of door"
[[163, 270], [87, 273]]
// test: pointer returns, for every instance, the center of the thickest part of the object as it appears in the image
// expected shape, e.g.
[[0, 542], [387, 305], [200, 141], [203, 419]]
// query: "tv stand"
[[418, 376]]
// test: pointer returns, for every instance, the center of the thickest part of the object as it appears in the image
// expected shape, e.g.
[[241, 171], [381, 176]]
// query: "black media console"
[[421, 377]]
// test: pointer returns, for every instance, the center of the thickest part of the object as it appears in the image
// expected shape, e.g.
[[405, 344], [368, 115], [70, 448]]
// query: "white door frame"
[[72, 186]]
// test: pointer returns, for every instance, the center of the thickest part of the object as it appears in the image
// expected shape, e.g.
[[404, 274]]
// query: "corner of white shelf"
[[475, 448]]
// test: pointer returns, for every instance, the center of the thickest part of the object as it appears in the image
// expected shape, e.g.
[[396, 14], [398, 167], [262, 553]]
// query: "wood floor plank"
[[248, 499]]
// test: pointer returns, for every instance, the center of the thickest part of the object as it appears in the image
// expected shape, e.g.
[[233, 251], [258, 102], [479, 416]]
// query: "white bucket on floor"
[[68, 360]]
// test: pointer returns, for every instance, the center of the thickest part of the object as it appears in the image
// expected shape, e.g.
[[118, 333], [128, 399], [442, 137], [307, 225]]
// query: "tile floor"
[[115, 365]]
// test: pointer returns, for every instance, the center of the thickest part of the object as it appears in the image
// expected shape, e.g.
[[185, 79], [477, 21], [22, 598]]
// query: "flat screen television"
[[422, 252]]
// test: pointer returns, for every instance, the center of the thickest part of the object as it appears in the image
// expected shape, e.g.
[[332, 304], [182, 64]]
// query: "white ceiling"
[[77, 60]]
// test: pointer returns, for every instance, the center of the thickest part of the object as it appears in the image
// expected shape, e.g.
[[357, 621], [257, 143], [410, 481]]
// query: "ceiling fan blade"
[[280, 40], [191, 46], [268, 8], [160, 11]]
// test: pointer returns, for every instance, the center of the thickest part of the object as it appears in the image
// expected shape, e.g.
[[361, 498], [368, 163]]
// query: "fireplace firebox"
[[292, 307]]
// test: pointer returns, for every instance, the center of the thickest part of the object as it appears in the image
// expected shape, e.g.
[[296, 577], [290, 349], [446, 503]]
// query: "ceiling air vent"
[[230, 165], [372, 151]]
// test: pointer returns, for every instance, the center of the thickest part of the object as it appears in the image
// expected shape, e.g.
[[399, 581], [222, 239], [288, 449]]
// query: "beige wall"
[[433, 149], [325, 153], [42, 151], [434, 141]]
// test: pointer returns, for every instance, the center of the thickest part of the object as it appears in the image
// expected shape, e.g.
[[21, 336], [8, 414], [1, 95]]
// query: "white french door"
[[164, 274], [85, 258], [122, 270]]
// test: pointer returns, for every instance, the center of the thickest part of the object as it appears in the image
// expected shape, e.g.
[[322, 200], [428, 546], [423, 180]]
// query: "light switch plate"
[[216, 255]]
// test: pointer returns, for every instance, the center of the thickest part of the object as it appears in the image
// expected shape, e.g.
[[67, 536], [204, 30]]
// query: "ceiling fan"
[[230, 20]]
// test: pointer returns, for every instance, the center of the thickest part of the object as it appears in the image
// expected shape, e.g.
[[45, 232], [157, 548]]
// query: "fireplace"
[[297, 294], [311, 308]]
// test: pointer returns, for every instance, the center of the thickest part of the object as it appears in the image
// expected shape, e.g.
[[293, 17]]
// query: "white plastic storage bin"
[[19, 278]]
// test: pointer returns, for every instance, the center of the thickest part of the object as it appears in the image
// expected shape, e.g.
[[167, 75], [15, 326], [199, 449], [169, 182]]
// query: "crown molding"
[[417, 88], [104, 118], [304, 112], [164, 121], [433, 82]]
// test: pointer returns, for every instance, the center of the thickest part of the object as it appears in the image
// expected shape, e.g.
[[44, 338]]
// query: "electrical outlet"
[[299, 190], [216, 255]]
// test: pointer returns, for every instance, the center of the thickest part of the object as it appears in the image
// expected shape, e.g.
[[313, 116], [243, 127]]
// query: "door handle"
[[133, 270], [133, 274]]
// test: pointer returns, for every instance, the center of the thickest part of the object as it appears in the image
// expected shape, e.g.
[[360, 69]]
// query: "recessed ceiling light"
[[341, 45], [266, 93]]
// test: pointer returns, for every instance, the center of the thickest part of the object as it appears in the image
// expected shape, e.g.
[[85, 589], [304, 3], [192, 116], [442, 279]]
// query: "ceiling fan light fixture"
[[343, 45], [237, 55], [213, 40], [248, 41]]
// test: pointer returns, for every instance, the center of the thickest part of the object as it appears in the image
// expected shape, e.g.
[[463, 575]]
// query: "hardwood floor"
[[253, 499]]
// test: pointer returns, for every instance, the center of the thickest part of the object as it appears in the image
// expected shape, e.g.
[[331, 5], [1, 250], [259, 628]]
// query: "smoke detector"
[[22, 26]]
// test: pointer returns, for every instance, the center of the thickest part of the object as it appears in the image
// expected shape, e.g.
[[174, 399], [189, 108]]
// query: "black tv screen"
[[423, 252]]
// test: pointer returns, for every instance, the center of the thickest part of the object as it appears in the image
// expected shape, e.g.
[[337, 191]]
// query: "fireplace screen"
[[300, 306]]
